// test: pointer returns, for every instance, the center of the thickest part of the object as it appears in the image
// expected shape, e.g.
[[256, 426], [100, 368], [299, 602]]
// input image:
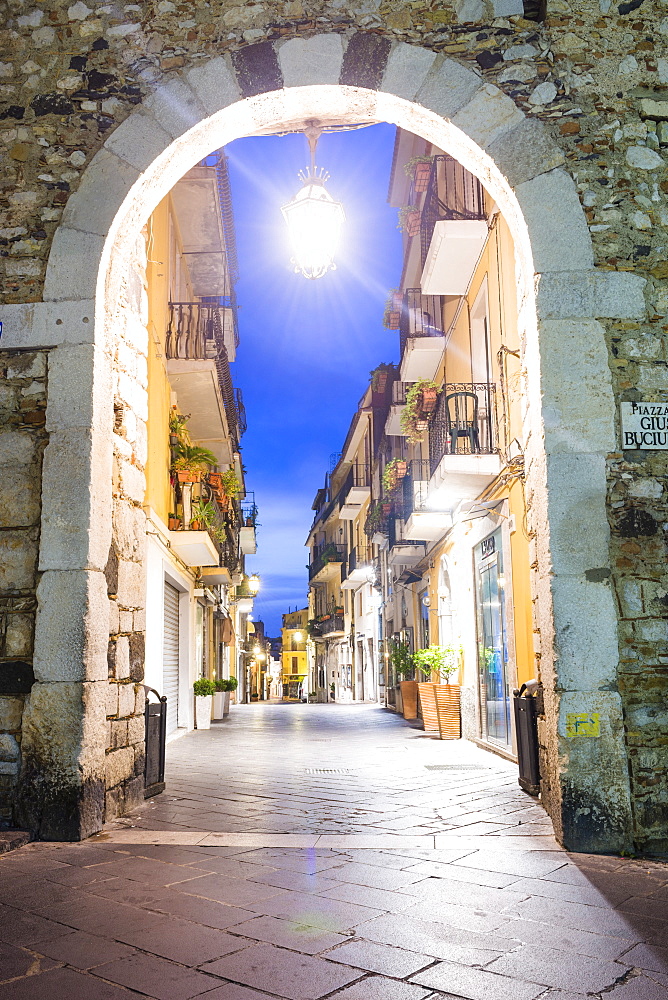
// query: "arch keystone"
[[315, 60]]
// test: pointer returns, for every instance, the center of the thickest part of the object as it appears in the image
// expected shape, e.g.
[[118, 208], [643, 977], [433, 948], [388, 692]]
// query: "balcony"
[[421, 336], [247, 538], [422, 518], [463, 443], [199, 373], [326, 562], [453, 228], [403, 551], [393, 422], [213, 543], [332, 627], [360, 568], [355, 492], [376, 525]]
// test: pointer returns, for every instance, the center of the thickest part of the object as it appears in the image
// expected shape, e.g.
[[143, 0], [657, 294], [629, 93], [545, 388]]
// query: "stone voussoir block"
[[85, 211], [139, 140], [407, 68], [525, 151], [214, 83], [315, 60], [448, 88], [488, 115], [126, 700], [175, 106]]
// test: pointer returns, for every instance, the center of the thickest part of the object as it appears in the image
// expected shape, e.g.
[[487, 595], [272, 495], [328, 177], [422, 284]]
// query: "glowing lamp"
[[254, 583], [313, 218], [297, 636]]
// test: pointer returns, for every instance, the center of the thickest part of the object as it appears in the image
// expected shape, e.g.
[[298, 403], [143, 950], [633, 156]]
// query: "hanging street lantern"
[[313, 218]]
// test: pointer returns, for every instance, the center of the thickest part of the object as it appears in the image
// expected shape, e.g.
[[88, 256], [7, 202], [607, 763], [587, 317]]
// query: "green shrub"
[[203, 687]]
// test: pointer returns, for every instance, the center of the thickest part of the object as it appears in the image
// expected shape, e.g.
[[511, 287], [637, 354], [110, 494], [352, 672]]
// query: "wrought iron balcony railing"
[[414, 488], [400, 391], [421, 316], [195, 333], [359, 558], [464, 422], [325, 554], [452, 193], [334, 623]]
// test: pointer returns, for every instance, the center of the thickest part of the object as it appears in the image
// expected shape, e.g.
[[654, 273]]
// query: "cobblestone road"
[[303, 852]]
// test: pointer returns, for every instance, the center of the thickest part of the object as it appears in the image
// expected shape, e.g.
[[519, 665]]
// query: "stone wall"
[[23, 392], [125, 571], [592, 80]]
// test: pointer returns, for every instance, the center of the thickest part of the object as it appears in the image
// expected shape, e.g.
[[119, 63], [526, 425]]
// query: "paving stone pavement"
[[375, 878]]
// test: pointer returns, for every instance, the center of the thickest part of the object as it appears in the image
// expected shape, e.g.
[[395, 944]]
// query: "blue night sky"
[[307, 347]]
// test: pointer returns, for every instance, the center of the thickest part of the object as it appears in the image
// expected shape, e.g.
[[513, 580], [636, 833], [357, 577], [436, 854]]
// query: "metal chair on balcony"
[[461, 414]]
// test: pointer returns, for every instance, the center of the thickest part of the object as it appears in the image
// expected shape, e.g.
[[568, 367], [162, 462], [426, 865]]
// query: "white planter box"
[[203, 711], [219, 705]]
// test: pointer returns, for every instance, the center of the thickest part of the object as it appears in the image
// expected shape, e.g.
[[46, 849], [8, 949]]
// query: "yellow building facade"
[[294, 656]]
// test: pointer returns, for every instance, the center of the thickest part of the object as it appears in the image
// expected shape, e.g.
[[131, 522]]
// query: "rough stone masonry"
[[593, 73]]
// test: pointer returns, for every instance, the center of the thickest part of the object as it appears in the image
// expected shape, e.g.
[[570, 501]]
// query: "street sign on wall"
[[644, 426]]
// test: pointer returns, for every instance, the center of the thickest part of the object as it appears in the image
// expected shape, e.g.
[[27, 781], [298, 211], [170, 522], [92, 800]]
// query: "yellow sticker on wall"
[[583, 724]]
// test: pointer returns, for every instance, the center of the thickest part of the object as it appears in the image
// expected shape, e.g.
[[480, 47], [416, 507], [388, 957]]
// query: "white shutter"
[[170, 656]]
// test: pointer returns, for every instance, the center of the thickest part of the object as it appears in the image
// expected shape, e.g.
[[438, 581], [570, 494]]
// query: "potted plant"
[[392, 312], [219, 699], [173, 522], [231, 684], [332, 690], [204, 690], [230, 483], [409, 220], [203, 515], [191, 461], [440, 699], [379, 377], [418, 168], [402, 661], [177, 427], [395, 470], [421, 400]]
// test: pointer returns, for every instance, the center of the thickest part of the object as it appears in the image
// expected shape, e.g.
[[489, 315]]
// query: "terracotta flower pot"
[[428, 705], [401, 468], [174, 523], [413, 224], [429, 400], [421, 177], [188, 476], [393, 320], [215, 479], [409, 696], [448, 708], [196, 525]]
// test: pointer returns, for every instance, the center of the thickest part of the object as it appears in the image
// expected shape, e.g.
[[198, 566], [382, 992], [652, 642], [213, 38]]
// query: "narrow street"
[[311, 851]]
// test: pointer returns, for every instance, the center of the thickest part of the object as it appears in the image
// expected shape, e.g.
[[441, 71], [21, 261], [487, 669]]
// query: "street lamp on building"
[[313, 218], [254, 583]]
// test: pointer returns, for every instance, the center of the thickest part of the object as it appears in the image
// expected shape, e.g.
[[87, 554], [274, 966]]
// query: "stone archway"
[[570, 419]]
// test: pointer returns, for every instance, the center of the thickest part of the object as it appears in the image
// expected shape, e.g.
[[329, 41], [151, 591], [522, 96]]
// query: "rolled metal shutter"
[[170, 656]]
